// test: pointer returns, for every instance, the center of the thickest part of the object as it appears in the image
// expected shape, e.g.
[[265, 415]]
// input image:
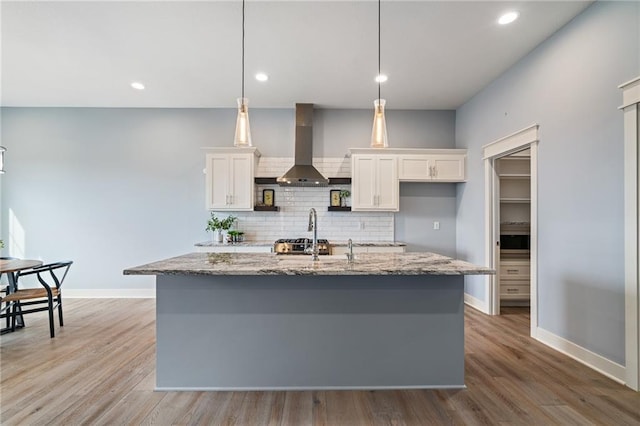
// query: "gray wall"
[[113, 188], [568, 85]]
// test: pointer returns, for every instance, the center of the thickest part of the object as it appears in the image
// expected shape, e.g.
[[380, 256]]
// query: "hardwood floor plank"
[[101, 371], [298, 409], [567, 415], [428, 407], [319, 408]]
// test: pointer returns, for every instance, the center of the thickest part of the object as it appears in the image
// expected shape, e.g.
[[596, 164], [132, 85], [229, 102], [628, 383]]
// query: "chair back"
[[61, 268]]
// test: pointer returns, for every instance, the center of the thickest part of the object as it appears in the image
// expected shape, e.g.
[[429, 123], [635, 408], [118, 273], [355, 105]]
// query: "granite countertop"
[[271, 264], [241, 244], [333, 243], [369, 243]]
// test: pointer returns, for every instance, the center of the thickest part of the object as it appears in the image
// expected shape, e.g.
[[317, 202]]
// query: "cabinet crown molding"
[[407, 151], [232, 150]]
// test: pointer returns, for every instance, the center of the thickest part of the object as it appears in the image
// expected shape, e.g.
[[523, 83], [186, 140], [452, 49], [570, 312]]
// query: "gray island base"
[[385, 321]]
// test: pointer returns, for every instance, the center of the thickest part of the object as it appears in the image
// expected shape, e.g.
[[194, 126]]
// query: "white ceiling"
[[437, 54]]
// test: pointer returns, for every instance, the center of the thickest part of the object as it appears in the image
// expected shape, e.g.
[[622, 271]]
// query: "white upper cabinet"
[[449, 168], [230, 178], [432, 165], [375, 184]]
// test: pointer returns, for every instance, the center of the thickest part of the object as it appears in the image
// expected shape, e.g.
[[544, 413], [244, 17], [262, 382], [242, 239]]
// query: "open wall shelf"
[[266, 208], [273, 181]]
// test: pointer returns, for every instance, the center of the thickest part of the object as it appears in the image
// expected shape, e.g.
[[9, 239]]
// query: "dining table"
[[11, 266]]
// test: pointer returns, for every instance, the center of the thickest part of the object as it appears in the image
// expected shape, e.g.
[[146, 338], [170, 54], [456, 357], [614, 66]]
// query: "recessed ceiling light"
[[262, 76], [508, 18], [137, 85], [381, 78]]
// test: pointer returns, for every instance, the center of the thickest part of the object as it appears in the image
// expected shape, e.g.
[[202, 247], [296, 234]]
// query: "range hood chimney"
[[303, 173]]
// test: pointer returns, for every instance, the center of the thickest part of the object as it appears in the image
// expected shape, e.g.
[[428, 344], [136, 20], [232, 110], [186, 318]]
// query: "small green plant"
[[1, 244], [235, 236], [345, 193], [215, 224]]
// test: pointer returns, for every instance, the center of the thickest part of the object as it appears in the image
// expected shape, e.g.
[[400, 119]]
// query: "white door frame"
[[522, 139], [631, 108]]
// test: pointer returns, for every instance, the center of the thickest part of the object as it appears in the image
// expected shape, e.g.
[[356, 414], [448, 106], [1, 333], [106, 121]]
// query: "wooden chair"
[[47, 298]]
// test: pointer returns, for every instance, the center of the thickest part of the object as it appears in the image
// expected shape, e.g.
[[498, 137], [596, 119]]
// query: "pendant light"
[[2, 150], [379, 133], [243, 131]]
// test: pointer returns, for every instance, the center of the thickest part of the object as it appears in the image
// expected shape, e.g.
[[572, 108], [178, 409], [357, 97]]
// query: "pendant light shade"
[[379, 133], [243, 131]]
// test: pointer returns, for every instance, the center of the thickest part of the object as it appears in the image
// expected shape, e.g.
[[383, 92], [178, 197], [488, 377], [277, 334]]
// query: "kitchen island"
[[238, 321]]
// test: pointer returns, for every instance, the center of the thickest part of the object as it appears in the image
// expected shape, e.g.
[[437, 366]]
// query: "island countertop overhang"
[[412, 263]]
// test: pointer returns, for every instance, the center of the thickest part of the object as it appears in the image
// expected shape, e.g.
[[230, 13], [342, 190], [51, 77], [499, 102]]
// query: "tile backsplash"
[[294, 203]]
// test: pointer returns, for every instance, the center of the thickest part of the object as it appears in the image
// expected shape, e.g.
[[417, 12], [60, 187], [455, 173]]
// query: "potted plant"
[[235, 236], [218, 225], [344, 194]]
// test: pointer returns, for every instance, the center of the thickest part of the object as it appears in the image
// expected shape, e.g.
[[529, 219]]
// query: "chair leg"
[[51, 325], [15, 314], [60, 310], [8, 311]]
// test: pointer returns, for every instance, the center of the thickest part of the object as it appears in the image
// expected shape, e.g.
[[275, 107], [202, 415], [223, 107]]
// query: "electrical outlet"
[[436, 225], [361, 225]]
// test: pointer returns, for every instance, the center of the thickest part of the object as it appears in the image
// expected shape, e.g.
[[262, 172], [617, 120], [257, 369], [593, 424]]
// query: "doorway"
[[513, 246], [511, 165]]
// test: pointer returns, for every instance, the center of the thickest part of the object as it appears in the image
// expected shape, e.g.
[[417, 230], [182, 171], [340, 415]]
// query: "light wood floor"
[[100, 370]]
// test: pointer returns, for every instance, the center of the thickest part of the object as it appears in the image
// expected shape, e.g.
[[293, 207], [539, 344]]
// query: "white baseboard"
[[584, 356], [104, 293], [476, 303]]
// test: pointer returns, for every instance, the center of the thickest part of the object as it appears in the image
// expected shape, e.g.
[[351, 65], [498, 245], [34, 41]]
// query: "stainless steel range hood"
[[303, 173]]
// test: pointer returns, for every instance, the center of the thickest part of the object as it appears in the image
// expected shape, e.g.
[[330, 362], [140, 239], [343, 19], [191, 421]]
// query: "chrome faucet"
[[313, 226], [350, 254]]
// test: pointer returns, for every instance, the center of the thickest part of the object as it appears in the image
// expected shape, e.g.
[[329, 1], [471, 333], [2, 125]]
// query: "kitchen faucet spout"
[[350, 251], [313, 226]]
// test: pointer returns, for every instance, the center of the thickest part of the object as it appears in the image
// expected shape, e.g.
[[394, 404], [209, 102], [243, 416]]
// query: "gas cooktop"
[[300, 246]]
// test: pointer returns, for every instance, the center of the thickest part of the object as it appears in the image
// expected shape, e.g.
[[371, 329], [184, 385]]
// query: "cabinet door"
[[229, 182], [414, 168], [448, 168], [241, 182], [217, 183], [375, 184], [387, 184], [363, 185]]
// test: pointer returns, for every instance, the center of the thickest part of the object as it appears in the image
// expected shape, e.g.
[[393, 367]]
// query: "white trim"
[[631, 240], [533, 240], [298, 388], [491, 203], [476, 303], [408, 151], [232, 150], [527, 137], [630, 92], [108, 293], [584, 356], [510, 143]]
